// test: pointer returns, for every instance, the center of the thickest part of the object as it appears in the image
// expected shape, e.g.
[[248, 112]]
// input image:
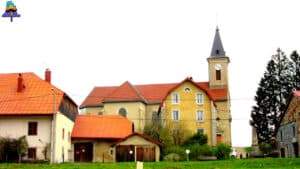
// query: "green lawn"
[[227, 164]]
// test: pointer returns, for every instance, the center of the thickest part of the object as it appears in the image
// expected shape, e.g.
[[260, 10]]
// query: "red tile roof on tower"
[[101, 127], [149, 93], [35, 98]]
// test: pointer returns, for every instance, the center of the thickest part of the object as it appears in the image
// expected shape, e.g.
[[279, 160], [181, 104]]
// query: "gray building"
[[287, 140], [288, 135]]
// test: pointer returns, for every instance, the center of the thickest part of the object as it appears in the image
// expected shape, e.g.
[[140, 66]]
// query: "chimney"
[[20, 86], [48, 75]]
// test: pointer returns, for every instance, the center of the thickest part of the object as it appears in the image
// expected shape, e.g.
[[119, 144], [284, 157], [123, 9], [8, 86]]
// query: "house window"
[[200, 131], [294, 131], [31, 154], [175, 115], [175, 98], [199, 98], [32, 128], [218, 74], [63, 133], [199, 116], [123, 112]]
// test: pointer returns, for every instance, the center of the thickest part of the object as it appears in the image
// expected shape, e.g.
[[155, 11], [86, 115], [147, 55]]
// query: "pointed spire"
[[217, 48]]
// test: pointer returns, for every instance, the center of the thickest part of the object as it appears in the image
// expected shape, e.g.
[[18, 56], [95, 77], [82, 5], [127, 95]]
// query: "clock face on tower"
[[218, 67]]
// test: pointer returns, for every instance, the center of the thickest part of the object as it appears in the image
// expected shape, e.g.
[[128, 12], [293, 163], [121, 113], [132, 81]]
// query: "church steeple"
[[218, 64], [217, 48]]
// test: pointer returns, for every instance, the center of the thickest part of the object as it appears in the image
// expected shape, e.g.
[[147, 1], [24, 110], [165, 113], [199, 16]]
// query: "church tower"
[[218, 64], [218, 79]]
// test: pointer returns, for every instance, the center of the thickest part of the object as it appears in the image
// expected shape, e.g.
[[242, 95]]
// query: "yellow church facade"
[[188, 105]]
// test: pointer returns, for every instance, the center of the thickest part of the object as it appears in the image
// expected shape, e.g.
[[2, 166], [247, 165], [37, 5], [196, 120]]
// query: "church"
[[187, 105]]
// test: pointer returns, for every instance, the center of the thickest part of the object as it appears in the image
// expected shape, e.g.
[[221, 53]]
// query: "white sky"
[[92, 42]]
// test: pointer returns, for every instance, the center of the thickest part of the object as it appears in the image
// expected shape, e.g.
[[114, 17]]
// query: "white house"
[[35, 108]]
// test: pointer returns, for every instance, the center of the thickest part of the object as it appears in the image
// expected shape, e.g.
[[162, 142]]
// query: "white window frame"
[[197, 115], [202, 99], [173, 98], [178, 116]]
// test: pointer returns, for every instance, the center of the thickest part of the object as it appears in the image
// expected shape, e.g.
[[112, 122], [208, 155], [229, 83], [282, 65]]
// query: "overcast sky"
[[91, 42]]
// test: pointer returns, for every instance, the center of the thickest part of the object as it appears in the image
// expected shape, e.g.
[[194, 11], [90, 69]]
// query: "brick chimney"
[[48, 75], [20, 84]]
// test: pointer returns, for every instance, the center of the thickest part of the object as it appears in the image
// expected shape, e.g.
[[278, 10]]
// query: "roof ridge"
[[110, 96], [137, 92]]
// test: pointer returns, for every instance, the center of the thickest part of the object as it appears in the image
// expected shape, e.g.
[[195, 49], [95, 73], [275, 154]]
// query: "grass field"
[[227, 164]]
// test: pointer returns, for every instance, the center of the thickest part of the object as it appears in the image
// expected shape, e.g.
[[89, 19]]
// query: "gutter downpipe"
[[53, 126]]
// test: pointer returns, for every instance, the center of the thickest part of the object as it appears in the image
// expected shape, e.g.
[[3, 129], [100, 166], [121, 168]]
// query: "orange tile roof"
[[144, 136], [151, 93], [101, 127], [35, 98]]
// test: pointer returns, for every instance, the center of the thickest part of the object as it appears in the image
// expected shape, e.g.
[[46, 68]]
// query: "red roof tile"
[[151, 93], [35, 98], [101, 127], [126, 92]]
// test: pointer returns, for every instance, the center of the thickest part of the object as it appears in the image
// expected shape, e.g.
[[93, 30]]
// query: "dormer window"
[[175, 98]]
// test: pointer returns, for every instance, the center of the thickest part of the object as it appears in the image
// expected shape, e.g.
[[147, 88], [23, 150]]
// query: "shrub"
[[265, 148], [175, 150], [199, 150], [12, 150], [197, 138], [222, 151], [172, 157]]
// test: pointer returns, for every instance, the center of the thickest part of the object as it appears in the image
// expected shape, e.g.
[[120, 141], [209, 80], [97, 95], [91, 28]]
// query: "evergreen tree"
[[296, 62], [271, 97]]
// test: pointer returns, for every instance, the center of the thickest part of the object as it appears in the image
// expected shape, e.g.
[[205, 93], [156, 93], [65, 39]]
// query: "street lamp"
[[187, 151]]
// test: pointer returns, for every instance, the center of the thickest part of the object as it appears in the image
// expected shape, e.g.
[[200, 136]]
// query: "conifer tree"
[[296, 62], [271, 97]]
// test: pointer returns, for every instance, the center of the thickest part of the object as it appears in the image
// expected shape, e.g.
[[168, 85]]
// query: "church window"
[[123, 112], [218, 74]]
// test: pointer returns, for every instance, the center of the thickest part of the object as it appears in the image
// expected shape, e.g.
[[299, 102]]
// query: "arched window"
[[123, 112]]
